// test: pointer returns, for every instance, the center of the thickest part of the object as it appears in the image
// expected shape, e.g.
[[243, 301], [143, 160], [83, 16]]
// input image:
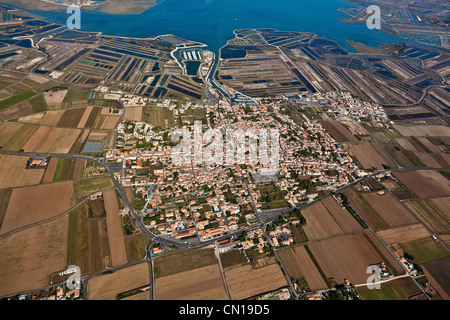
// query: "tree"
[[243, 236]]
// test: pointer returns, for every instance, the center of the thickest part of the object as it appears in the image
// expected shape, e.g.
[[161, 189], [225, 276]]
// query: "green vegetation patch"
[[8, 102], [277, 204], [389, 291], [5, 195], [399, 289], [272, 197], [424, 249], [57, 175], [91, 185], [38, 104], [233, 257]]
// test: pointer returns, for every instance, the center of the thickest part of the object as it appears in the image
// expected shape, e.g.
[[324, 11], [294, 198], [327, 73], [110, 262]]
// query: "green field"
[[277, 204], [5, 194], [233, 257], [38, 104], [91, 185], [424, 249], [58, 169], [8, 102], [389, 291], [399, 289]]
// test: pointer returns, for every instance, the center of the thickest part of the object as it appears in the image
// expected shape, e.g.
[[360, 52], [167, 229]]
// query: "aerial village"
[[222, 199]]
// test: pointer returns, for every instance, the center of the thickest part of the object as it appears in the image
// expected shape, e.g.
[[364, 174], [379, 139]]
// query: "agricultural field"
[[425, 183], [51, 118], [18, 139], [108, 286], [75, 97], [15, 174], [133, 114], [369, 157], [399, 289], [114, 226], [232, 258], [161, 117], [389, 209], [31, 119], [88, 243], [319, 223], [106, 121], [437, 272], [343, 218], [54, 99], [52, 140], [425, 249], [405, 158], [90, 185], [203, 283], [423, 131], [430, 146], [28, 257], [338, 131], [406, 144], [29, 205], [135, 247], [146, 295], [348, 256], [380, 212], [326, 219], [433, 212], [88, 118], [69, 169], [403, 234], [185, 260], [7, 130], [299, 265], [428, 160], [14, 100], [245, 282], [71, 118], [5, 195], [97, 208]]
